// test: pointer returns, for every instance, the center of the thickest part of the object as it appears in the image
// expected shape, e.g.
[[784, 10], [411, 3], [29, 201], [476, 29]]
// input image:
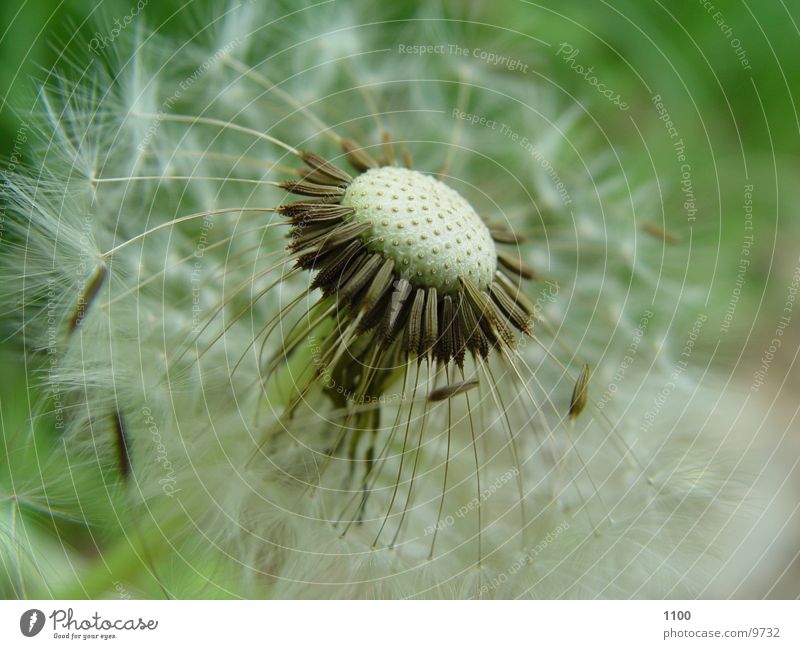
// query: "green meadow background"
[[741, 122]]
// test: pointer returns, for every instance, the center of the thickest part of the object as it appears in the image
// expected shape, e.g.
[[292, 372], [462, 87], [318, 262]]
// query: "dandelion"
[[330, 339]]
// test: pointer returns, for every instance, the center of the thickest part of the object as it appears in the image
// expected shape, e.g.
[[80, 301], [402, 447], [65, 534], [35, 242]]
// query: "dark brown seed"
[[357, 156], [302, 235], [494, 325], [397, 310], [408, 161], [380, 284], [450, 391], [121, 443], [303, 188], [309, 205], [579, 393], [323, 166], [85, 300], [330, 272], [501, 234], [354, 284], [475, 340], [513, 290], [660, 233], [490, 321], [353, 268], [458, 333], [389, 157], [321, 244], [515, 265], [413, 332], [431, 322], [314, 176], [305, 212], [444, 344], [513, 311]]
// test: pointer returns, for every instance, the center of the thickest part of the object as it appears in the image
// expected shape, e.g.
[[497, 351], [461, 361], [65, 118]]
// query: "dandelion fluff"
[[292, 412]]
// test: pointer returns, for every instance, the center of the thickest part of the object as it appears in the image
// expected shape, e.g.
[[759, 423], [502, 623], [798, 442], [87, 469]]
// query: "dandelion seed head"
[[432, 233], [284, 416]]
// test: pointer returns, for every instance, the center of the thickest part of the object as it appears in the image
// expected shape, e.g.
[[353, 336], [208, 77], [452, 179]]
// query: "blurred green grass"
[[736, 121]]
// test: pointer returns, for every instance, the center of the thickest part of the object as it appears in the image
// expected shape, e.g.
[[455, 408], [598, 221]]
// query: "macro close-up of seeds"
[[436, 300]]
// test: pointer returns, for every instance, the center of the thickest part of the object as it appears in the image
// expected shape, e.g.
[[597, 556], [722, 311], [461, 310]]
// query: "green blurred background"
[[741, 124]]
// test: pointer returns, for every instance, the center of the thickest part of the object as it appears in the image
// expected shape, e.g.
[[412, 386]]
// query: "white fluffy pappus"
[[146, 256]]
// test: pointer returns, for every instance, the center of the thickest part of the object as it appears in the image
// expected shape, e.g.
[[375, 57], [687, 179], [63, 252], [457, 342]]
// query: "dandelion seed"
[[660, 233], [322, 365], [450, 391], [580, 393]]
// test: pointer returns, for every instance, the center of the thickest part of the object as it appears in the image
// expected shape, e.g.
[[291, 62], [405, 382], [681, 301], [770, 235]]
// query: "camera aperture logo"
[[31, 622], [66, 626]]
